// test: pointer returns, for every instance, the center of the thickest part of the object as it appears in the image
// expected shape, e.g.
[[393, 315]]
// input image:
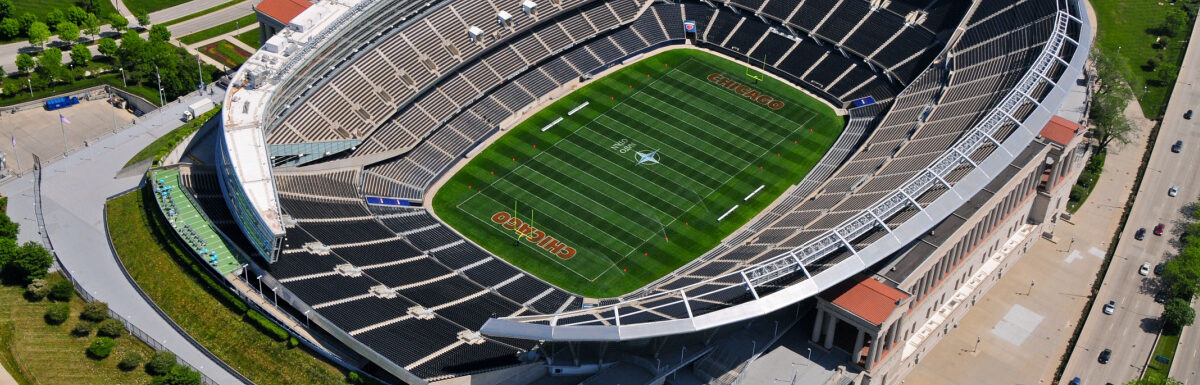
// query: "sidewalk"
[[74, 190], [1063, 270]]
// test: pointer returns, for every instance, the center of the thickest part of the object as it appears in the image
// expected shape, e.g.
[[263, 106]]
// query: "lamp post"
[[123, 82], [30, 83], [976, 349], [160, 89], [809, 354], [1030, 292]]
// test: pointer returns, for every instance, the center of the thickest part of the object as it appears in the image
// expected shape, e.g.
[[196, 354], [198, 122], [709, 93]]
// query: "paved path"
[[74, 191]]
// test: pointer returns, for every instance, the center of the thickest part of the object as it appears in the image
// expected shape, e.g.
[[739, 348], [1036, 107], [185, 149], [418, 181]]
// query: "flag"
[[63, 119], [689, 26]]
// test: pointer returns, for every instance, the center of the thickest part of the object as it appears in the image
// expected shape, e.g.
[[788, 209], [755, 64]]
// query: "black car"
[[1140, 234], [1105, 355], [1158, 269], [1177, 147], [1160, 296], [1187, 115]]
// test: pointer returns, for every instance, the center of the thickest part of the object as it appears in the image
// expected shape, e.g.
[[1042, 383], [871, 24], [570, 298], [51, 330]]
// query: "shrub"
[[179, 375], [111, 328], [61, 290], [95, 311], [160, 363], [101, 347], [130, 361], [36, 290], [266, 326], [58, 313], [82, 328], [354, 378], [293, 342]]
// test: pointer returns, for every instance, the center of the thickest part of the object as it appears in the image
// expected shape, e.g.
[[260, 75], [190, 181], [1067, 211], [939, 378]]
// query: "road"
[[1131, 331], [1186, 367], [74, 190]]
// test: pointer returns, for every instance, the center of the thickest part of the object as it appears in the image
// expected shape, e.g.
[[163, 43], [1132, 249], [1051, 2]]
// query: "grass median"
[[220, 29], [193, 299]]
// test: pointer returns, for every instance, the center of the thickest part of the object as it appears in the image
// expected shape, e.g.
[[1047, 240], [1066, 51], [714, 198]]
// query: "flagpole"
[[62, 127], [15, 154]]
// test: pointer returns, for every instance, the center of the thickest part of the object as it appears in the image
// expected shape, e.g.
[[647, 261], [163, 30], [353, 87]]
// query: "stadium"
[[622, 191]]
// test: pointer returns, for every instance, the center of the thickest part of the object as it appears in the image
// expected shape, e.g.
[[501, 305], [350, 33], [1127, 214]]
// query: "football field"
[[638, 172]]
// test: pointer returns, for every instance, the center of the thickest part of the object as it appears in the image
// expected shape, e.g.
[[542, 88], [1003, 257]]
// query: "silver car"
[[1173, 191], [1110, 307]]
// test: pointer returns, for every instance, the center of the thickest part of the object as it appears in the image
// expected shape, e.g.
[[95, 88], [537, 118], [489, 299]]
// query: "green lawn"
[[225, 52], [1123, 33], [38, 353], [250, 38], [220, 29], [626, 222], [177, 284], [148, 6], [1166, 348], [163, 145]]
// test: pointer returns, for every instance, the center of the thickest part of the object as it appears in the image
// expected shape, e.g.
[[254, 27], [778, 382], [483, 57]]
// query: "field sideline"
[[668, 156]]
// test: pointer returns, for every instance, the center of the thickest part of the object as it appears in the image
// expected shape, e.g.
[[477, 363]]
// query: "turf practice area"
[[648, 168]]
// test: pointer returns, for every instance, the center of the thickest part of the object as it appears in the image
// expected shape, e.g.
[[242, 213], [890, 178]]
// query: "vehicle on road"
[[1187, 115], [1178, 147], [1145, 269], [1140, 234], [1158, 230], [1075, 381], [1110, 307], [1173, 191], [1158, 269], [1105, 356]]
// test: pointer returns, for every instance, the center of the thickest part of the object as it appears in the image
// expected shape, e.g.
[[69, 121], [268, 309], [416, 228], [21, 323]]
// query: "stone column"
[[871, 353], [829, 326], [816, 334], [858, 345]]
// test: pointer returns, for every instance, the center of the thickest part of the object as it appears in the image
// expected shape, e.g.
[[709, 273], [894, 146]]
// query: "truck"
[[61, 102], [197, 108]]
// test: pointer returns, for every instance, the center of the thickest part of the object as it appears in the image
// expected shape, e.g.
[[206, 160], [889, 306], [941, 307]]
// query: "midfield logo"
[[535, 236]]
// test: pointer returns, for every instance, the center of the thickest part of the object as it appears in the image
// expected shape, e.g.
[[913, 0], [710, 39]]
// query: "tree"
[[67, 31], [1178, 313], [61, 290], [25, 62], [142, 18], [111, 328], [81, 55], [91, 25], [8, 228], [57, 313], [26, 20], [38, 33], [1154, 380], [94, 311], [160, 363], [76, 15], [117, 21], [107, 46], [159, 33], [29, 262], [55, 16], [1107, 110], [179, 375], [130, 361], [10, 28], [6, 8], [101, 347]]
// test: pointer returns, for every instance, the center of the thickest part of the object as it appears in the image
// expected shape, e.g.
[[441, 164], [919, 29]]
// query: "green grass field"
[[1123, 32], [718, 154], [148, 6]]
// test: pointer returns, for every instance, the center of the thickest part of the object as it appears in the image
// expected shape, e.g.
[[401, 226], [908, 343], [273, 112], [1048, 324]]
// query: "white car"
[[1110, 307], [1145, 270], [1173, 191]]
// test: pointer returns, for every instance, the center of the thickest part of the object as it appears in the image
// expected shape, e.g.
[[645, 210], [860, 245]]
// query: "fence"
[[83, 293]]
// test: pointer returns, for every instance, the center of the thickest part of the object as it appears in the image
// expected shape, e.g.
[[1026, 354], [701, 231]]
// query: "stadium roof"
[[1060, 130], [865, 297], [282, 10]]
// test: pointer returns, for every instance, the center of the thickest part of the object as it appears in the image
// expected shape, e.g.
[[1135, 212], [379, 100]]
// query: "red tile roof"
[[283, 10], [1060, 130], [865, 297]]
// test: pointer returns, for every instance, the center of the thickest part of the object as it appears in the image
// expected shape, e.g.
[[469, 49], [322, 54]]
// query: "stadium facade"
[[338, 127]]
